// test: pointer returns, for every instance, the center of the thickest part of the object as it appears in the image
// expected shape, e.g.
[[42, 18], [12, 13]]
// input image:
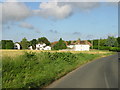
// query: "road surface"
[[101, 73]]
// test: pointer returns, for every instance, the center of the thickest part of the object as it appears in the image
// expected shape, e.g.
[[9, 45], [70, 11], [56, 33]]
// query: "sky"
[[55, 20]]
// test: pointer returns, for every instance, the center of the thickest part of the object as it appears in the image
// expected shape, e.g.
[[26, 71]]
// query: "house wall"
[[81, 47], [70, 46], [17, 46], [47, 48]]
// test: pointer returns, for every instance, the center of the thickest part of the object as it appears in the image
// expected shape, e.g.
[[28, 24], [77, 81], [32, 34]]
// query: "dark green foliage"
[[111, 41], [104, 48], [33, 43], [95, 42], [36, 70], [3, 44], [7, 44], [115, 49], [43, 40], [24, 43], [118, 40], [68, 42], [60, 45]]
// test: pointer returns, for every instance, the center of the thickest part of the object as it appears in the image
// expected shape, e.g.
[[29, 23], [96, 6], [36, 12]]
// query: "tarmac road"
[[101, 73]]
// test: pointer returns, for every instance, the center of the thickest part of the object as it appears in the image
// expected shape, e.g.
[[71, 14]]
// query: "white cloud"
[[26, 25], [52, 10], [14, 11], [61, 10]]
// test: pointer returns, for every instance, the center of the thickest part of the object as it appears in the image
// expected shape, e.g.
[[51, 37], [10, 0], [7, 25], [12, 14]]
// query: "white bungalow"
[[17, 46], [42, 47], [30, 48], [79, 47], [47, 48]]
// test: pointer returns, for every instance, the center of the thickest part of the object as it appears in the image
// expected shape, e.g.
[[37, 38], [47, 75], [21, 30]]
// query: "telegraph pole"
[[98, 43], [92, 44]]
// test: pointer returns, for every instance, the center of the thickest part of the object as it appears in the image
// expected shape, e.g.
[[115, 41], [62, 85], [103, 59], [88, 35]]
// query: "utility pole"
[[99, 43], [92, 44]]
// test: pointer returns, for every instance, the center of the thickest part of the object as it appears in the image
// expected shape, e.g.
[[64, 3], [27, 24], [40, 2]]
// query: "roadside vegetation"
[[39, 69]]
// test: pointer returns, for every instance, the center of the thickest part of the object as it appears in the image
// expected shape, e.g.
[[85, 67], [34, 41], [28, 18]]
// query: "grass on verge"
[[37, 70]]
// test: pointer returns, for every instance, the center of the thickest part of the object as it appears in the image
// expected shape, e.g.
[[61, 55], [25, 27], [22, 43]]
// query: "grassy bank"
[[35, 70]]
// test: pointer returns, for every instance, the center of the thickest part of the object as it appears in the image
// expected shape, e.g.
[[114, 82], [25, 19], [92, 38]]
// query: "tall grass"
[[37, 70]]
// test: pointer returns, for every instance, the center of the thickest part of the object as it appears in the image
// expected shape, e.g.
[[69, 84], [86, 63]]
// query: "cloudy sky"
[[69, 20]]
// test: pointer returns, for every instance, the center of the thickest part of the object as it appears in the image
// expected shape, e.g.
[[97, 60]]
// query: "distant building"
[[17, 46], [30, 48], [42, 47], [47, 48], [79, 47]]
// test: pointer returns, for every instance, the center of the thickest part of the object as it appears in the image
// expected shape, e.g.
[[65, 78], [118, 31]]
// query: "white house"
[[17, 46], [42, 47], [30, 47], [70, 46], [79, 47], [47, 48]]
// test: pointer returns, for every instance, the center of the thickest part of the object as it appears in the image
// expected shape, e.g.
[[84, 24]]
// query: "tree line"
[[9, 44], [111, 43]]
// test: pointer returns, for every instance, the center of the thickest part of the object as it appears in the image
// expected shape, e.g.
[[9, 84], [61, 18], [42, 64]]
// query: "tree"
[[118, 40], [9, 44], [68, 42], [3, 44], [33, 43], [60, 45], [43, 40], [6, 44], [24, 43], [111, 41]]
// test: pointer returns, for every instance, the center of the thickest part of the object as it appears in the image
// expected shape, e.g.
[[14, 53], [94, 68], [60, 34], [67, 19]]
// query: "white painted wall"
[[70, 46], [17, 46], [47, 48], [81, 47], [42, 47], [30, 48]]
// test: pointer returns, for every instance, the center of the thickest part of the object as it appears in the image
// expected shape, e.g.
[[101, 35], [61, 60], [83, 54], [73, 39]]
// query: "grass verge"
[[37, 70]]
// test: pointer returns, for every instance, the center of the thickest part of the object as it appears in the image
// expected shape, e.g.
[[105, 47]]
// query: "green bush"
[[115, 49], [95, 47], [104, 48]]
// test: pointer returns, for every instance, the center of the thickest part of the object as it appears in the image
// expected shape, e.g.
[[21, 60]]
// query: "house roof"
[[84, 42]]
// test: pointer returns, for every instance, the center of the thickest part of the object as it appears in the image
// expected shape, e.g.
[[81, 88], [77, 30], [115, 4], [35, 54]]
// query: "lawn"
[[37, 69]]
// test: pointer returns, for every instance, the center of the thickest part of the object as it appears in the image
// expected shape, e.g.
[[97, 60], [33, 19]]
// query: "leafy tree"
[[111, 41], [3, 44], [6, 44], [43, 40], [9, 44], [68, 42], [33, 43], [118, 40], [60, 45], [24, 43]]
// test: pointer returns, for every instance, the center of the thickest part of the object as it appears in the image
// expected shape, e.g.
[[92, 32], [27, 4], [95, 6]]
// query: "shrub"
[[104, 48], [114, 49]]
